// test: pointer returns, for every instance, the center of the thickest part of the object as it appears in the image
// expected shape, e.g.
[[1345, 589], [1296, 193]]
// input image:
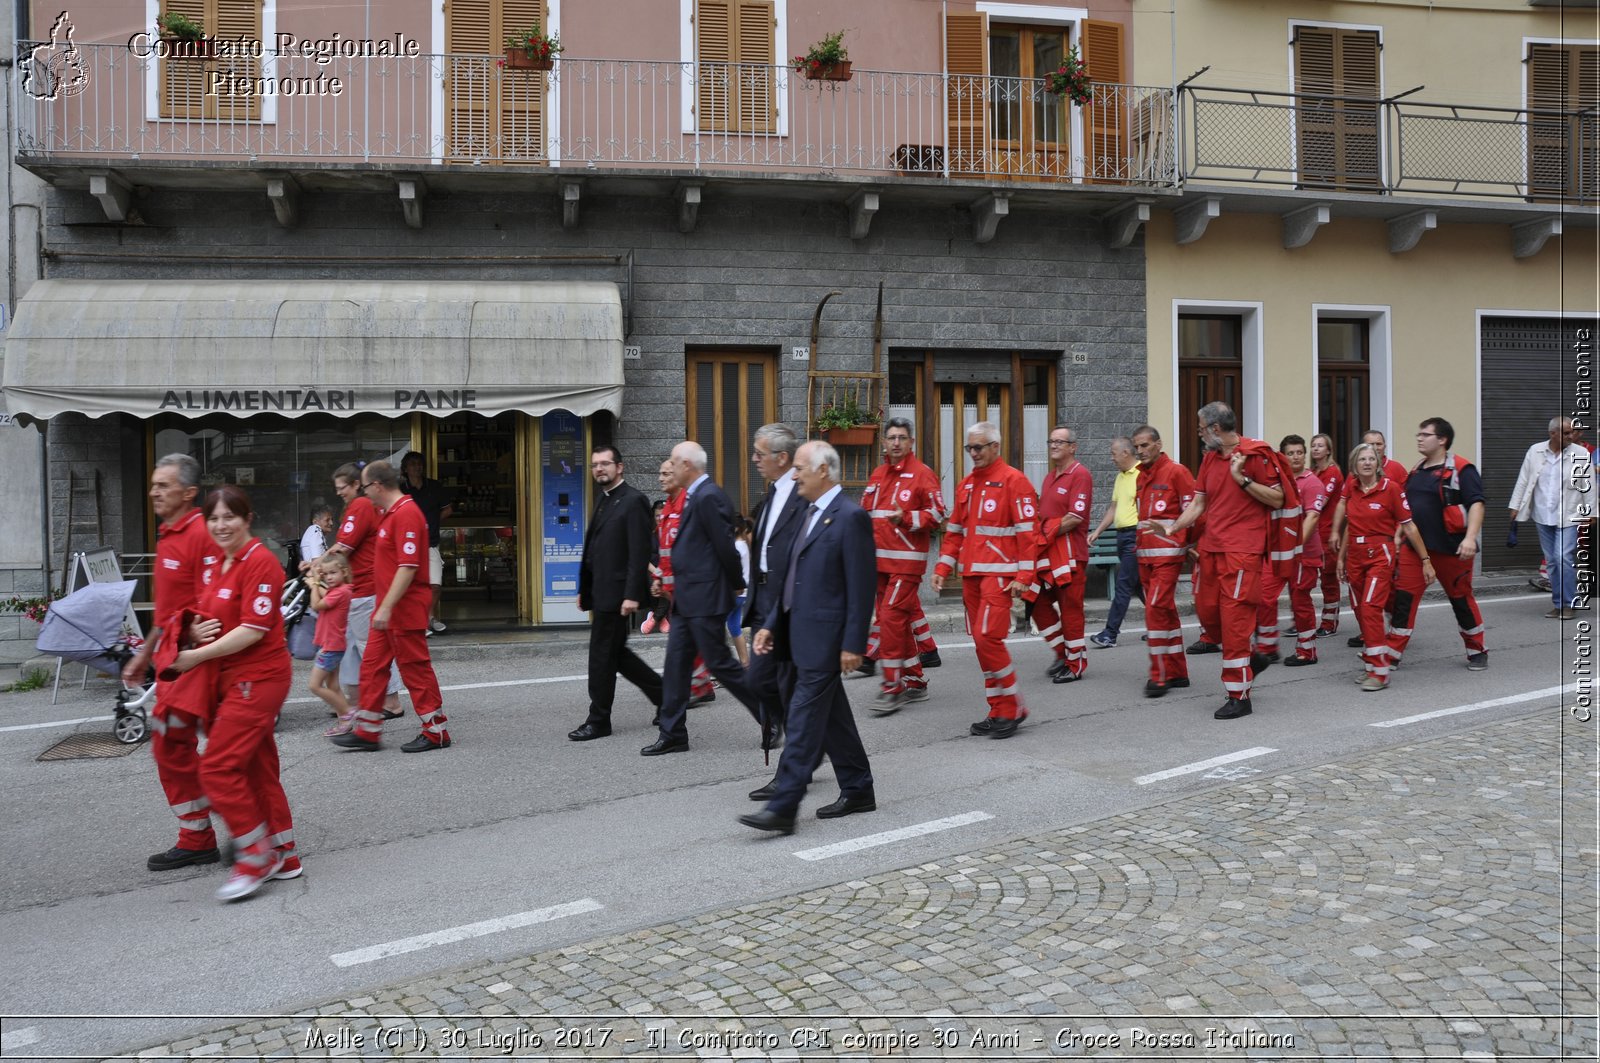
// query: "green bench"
[[1103, 564]]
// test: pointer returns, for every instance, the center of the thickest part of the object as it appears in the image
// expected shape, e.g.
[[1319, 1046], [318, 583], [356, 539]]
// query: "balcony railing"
[[592, 113], [1401, 146]]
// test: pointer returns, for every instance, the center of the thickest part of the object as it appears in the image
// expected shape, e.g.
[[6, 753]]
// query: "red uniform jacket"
[[1165, 490], [1283, 524], [912, 488], [1069, 493], [992, 529], [667, 534]]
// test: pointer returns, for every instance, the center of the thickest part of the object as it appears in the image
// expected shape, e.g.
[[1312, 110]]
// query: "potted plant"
[[827, 60], [532, 49], [183, 37], [1071, 79], [846, 424]]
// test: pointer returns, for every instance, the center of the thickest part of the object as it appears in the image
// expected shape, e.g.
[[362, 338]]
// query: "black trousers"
[[820, 721], [608, 655], [771, 680], [707, 638]]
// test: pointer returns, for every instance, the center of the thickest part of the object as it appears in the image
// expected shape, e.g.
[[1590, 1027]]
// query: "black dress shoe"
[[1202, 646], [1298, 661], [1066, 676], [1260, 662], [387, 715], [590, 731], [845, 806], [1354, 640], [703, 699], [767, 820], [1006, 728], [1152, 689], [983, 726], [1055, 669], [766, 792], [930, 659], [351, 740], [1232, 709], [175, 858], [772, 738], [665, 745], [1178, 684], [423, 744]]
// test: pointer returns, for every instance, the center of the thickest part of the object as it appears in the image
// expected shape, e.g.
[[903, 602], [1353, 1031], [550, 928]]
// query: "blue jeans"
[[1560, 546], [1127, 581]]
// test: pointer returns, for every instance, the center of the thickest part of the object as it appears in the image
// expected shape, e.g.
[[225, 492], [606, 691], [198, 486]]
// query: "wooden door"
[[1344, 385], [1210, 369], [962, 405], [493, 114], [729, 395]]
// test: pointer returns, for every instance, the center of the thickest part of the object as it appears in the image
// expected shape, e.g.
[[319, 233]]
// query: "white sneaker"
[[437, 626], [242, 883]]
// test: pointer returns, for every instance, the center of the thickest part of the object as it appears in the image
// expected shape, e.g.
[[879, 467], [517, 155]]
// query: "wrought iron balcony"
[[107, 104]]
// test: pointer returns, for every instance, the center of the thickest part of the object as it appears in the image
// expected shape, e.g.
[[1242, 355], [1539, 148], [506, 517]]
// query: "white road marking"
[[55, 723], [916, 830], [462, 933], [1492, 703], [473, 686], [28, 1035], [1204, 765]]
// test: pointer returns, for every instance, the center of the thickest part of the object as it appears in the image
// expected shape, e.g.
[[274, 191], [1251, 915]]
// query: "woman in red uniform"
[[238, 626], [1374, 509], [1332, 477]]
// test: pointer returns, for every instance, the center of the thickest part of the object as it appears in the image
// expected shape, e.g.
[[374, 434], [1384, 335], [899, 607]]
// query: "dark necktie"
[[794, 556], [766, 522]]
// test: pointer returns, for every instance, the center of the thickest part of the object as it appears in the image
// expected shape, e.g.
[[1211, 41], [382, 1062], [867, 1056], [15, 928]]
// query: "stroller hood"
[[85, 624]]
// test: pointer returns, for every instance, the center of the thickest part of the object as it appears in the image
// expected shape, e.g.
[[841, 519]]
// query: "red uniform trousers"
[[410, 649], [1058, 614], [700, 680], [1208, 628], [1455, 579], [240, 769], [1370, 570], [897, 648], [988, 605], [1227, 594], [174, 745], [921, 632], [1300, 606], [1330, 576], [1163, 628]]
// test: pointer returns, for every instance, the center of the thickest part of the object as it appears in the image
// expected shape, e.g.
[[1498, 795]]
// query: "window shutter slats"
[[1359, 121], [183, 81], [713, 24], [757, 104], [234, 19], [494, 113], [967, 59], [1563, 147], [1103, 59], [1337, 138]]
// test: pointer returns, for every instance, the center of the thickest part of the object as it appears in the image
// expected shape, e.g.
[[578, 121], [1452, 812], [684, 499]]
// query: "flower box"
[[179, 48], [519, 59], [836, 72], [859, 436]]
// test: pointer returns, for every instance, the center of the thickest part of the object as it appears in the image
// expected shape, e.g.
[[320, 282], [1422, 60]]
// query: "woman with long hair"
[[1332, 478], [1376, 508], [236, 628]]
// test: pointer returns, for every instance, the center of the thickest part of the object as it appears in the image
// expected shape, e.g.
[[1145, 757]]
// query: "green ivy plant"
[[184, 28], [846, 414]]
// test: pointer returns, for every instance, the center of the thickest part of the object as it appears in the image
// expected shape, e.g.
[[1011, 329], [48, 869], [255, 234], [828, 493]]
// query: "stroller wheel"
[[130, 728]]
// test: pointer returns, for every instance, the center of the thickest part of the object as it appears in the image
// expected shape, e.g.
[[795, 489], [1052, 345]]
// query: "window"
[[184, 82], [1028, 124], [493, 113], [1210, 369], [1563, 145], [735, 53], [1337, 124], [730, 395], [1344, 382]]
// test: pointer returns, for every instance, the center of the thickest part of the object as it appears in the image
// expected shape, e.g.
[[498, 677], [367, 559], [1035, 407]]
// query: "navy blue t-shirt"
[[1427, 507]]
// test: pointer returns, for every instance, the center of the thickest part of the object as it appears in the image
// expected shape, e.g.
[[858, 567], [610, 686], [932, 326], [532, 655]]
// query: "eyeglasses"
[[1063, 442], [760, 454], [362, 489], [979, 448]]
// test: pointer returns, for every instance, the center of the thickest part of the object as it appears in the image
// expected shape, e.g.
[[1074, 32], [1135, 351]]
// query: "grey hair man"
[[777, 517], [1123, 514], [1550, 492]]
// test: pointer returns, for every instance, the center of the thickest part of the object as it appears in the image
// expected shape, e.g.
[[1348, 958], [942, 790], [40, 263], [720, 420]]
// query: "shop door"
[[1028, 125], [730, 395], [476, 462], [492, 113]]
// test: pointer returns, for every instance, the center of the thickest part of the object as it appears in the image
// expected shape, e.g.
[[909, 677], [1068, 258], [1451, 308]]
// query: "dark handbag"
[[301, 637]]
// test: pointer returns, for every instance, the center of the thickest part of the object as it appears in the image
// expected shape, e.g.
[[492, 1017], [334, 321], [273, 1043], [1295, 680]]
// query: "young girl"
[[742, 531], [330, 599]]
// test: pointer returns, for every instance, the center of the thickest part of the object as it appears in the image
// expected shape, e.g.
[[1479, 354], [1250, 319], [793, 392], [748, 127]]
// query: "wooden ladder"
[[83, 491]]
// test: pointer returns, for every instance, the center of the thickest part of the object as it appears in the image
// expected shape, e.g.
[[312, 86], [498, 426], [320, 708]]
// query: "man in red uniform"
[[1065, 499], [1165, 489], [905, 505], [1239, 488], [358, 527], [992, 534], [1313, 500], [400, 621], [182, 548], [1445, 493], [1323, 463]]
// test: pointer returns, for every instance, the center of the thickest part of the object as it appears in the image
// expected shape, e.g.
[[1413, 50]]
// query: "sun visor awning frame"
[[295, 348]]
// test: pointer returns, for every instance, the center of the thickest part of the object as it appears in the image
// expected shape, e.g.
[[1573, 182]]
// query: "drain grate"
[[90, 745]]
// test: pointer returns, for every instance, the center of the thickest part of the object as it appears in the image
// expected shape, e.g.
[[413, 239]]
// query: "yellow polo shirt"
[[1122, 496]]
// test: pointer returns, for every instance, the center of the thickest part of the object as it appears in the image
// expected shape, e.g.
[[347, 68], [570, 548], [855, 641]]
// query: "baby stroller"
[[89, 626], [299, 623]]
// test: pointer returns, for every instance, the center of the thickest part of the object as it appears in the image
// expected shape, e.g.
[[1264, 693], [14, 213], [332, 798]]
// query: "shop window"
[[1337, 128], [1563, 130], [185, 82], [1344, 385]]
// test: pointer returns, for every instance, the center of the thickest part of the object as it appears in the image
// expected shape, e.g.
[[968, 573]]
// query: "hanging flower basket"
[[836, 72], [859, 436], [518, 59], [827, 60], [1071, 80]]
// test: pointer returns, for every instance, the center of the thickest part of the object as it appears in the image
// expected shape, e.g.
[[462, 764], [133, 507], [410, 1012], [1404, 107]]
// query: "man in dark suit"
[[707, 574], [820, 623], [613, 580], [776, 519]]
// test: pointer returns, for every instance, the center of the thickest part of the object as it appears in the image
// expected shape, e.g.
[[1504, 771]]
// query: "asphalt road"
[[516, 839]]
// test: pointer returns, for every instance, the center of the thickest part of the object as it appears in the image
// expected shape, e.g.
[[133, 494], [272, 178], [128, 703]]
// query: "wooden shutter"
[[1336, 140], [234, 19], [492, 113], [756, 25], [966, 51], [713, 26], [1107, 122], [1563, 153], [183, 81], [735, 52]]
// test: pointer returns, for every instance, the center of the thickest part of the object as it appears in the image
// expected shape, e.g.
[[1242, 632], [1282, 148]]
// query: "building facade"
[[339, 235]]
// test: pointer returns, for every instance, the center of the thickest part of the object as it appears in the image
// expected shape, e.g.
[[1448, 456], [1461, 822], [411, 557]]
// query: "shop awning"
[[300, 347]]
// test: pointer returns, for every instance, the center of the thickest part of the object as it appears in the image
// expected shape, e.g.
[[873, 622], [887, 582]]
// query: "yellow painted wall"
[[1434, 292]]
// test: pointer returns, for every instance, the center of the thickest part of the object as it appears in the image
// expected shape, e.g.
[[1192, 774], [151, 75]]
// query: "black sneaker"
[[930, 659], [703, 699], [1152, 689], [1066, 675], [175, 858], [351, 740], [983, 726], [1260, 662], [1354, 641], [1326, 632], [1179, 684], [1006, 728], [1199, 646], [1232, 709], [1477, 662], [1055, 669], [423, 744]]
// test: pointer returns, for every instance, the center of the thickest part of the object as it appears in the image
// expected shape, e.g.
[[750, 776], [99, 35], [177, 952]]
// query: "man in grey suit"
[[776, 519], [613, 579], [820, 623]]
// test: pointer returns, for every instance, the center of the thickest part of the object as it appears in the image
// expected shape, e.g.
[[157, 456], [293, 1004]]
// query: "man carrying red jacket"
[[992, 534], [1165, 489], [905, 504], [399, 630], [1254, 512], [1065, 499]]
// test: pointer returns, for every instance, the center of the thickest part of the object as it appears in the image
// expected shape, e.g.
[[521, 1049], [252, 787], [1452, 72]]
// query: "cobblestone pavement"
[[1435, 900]]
